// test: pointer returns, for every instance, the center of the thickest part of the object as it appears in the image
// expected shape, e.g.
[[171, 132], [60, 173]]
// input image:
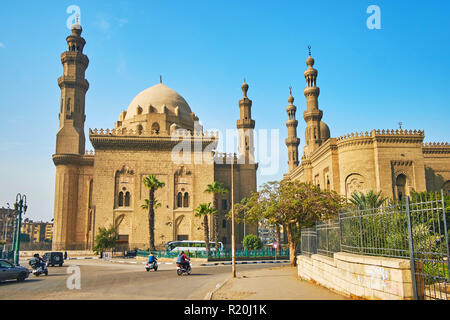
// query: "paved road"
[[105, 280]]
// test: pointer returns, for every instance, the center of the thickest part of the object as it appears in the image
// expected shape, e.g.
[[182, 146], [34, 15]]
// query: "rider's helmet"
[[36, 255]]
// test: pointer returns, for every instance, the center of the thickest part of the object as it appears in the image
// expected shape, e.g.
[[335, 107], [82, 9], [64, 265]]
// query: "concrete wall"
[[358, 276]]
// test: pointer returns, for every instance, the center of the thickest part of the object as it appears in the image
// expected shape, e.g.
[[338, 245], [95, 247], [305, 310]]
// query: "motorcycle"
[[151, 265], [38, 269], [181, 269]]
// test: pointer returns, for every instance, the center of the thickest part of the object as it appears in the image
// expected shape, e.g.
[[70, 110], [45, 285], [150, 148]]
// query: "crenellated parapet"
[[382, 136], [123, 132], [129, 139], [89, 153], [225, 158], [436, 148]]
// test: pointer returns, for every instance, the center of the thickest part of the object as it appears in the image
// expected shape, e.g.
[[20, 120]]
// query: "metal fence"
[[416, 230], [224, 254]]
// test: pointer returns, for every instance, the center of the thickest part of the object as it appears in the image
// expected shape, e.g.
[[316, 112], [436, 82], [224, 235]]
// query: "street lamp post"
[[21, 207], [233, 240]]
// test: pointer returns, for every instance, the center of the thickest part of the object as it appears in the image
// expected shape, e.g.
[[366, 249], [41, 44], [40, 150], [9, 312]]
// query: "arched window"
[[120, 199], [127, 199], [401, 186], [139, 129], [139, 110], [155, 127], [179, 200], [186, 200]]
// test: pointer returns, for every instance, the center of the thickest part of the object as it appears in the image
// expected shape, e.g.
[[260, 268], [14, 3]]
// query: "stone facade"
[[158, 134], [394, 162]]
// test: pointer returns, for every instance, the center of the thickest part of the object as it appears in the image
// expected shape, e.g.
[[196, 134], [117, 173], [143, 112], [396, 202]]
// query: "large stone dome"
[[157, 97]]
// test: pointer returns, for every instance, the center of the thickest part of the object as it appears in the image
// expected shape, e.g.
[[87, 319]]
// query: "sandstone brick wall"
[[366, 277]]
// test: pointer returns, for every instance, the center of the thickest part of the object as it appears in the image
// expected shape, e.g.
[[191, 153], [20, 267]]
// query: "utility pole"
[[21, 207], [233, 241]]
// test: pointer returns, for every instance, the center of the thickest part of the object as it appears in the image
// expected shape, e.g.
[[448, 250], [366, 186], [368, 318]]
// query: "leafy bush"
[[252, 242]]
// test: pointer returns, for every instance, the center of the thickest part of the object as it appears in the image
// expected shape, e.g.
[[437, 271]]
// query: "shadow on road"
[[11, 282]]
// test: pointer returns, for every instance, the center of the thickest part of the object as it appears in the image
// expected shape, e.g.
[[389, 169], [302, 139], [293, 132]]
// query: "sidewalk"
[[277, 283]]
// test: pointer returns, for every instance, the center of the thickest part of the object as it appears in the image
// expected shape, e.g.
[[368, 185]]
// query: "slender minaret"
[[312, 115], [70, 137], [70, 142], [245, 127], [292, 141]]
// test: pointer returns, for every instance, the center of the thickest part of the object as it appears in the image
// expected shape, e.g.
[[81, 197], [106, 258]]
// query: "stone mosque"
[[394, 162], [105, 187]]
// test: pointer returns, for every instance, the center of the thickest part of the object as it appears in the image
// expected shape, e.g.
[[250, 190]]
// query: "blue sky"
[[369, 79]]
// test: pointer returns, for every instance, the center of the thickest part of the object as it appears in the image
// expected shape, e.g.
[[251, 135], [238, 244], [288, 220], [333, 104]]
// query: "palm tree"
[[204, 210], [219, 189], [152, 184], [371, 200]]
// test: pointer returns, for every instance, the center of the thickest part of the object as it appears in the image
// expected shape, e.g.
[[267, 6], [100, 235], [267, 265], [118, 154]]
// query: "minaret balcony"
[[292, 123], [292, 141], [313, 115], [246, 124], [312, 91], [71, 81], [75, 57]]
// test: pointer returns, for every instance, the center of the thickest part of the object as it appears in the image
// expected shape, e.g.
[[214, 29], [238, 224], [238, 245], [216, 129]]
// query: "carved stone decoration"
[[354, 183], [124, 188], [183, 188]]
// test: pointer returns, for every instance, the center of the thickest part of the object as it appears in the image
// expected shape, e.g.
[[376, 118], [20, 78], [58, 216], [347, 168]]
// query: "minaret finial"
[[309, 49], [290, 90], [245, 88], [160, 79]]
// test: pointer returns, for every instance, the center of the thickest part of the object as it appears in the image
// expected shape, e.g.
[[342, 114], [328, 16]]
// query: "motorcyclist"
[[39, 261], [151, 258], [183, 260]]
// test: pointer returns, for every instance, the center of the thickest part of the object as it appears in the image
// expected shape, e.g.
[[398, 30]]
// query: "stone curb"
[[243, 262], [209, 295], [82, 258]]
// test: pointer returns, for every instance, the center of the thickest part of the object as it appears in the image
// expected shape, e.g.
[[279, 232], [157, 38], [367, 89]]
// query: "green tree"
[[291, 205], [371, 200], [105, 239], [205, 210], [216, 188], [252, 242], [152, 184]]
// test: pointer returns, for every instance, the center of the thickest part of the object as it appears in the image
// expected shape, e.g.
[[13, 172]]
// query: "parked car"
[[54, 258], [8, 271]]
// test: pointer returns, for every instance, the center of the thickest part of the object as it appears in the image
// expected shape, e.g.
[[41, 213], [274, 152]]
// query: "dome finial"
[[291, 98], [244, 88], [160, 78], [310, 60]]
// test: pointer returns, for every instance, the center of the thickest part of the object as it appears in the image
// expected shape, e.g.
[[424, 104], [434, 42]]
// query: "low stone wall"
[[70, 253], [358, 276]]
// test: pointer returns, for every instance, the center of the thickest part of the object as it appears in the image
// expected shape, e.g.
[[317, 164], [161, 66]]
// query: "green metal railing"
[[416, 230], [224, 254]]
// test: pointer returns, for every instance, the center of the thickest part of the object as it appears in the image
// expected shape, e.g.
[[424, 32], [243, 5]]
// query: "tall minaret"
[[312, 115], [292, 141], [245, 127], [70, 137], [70, 145]]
